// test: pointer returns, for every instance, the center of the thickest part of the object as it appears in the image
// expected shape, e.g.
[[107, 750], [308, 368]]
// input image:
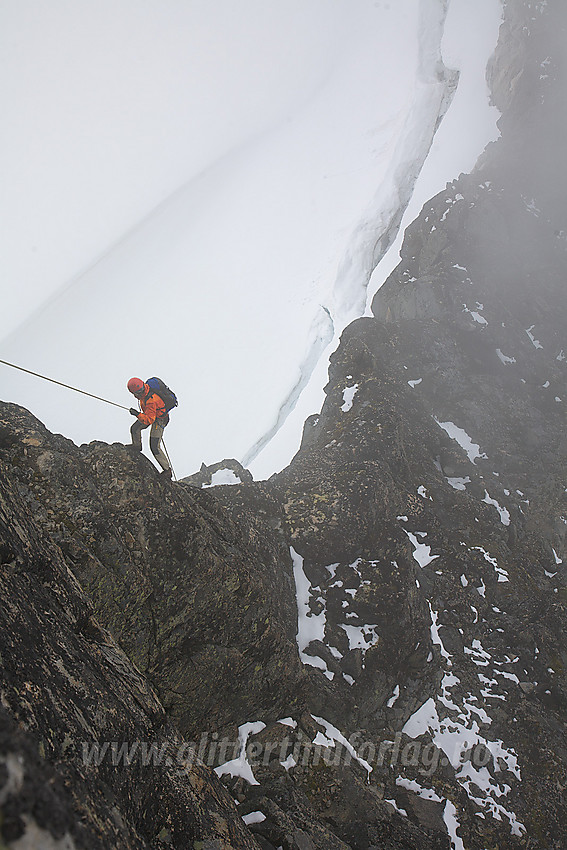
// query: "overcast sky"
[[182, 181]]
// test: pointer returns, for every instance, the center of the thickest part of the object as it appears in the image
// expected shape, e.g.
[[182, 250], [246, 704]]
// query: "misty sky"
[[182, 182]]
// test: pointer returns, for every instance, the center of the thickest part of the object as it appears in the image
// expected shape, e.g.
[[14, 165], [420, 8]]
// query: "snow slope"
[[466, 42]]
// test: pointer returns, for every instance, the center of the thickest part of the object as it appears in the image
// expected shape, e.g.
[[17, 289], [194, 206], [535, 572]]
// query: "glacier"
[[223, 234]]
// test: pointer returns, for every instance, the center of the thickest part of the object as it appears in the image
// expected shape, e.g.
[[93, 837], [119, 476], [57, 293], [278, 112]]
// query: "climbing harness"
[[77, 390]]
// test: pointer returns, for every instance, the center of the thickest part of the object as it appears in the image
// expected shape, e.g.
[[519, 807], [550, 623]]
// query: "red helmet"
[[135, 385]]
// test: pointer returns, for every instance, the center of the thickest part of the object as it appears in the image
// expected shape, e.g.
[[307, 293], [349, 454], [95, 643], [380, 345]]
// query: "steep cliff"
[[368, 647], [427, 505], [66, 686]]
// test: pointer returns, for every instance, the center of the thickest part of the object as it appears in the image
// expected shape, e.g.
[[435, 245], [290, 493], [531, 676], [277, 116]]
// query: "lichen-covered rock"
[[198, 595], [427, 504], [225, 471], [369, 647], [71, 701]]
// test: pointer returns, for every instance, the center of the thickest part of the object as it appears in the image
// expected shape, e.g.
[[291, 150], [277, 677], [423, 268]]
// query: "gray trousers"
[[156, 435]]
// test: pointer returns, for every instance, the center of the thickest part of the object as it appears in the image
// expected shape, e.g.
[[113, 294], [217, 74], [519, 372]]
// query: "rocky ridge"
[[66, 685], [379, 627]]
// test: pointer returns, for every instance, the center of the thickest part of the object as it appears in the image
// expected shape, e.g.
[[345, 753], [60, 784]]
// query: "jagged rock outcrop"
[[380, 627], [427, 503], [225, 471], [199, 593], [191, 590], [66, 687]]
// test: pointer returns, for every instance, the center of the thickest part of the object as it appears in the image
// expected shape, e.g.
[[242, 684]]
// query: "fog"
[[185, 184]]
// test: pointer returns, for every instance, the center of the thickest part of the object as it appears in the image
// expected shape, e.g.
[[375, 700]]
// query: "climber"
[[153, 412]]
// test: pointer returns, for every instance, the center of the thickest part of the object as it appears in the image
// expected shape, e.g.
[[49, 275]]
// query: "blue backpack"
[[162, 390]]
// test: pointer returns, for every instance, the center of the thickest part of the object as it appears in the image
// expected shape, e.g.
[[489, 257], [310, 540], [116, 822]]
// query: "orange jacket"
[[152, 407]]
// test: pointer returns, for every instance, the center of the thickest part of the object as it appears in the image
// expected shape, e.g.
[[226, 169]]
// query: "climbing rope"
[[77, 390], [67, 386]]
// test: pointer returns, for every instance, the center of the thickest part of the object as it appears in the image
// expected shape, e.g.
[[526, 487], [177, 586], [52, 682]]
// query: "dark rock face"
[[427, 502], [66, 687], [229, 471], [192, 591], [369, 647]]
